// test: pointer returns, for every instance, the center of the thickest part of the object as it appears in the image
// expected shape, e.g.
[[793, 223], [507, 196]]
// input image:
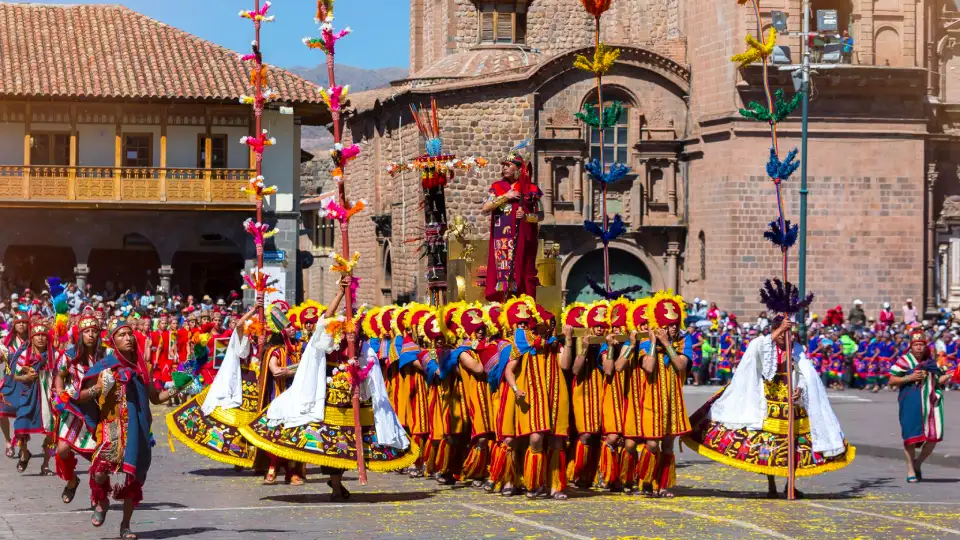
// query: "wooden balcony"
[[40, 185]]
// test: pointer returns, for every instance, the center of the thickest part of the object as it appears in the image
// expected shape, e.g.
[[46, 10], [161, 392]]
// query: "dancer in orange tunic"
[[587, 387], [477, 356], [538, 397], [636, 464], [448, 410], [661, 392], [613, 383]]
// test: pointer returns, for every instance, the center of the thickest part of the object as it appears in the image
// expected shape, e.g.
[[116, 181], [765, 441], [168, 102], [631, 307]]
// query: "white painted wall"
[[11, 143], [279, 167], [95, 144], [182, 146], [238, 155]]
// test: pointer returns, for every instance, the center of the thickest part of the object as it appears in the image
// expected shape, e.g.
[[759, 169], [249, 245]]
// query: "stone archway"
[[28, 266], [626, 270]]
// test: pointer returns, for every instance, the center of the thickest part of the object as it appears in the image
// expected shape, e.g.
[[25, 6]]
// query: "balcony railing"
[[123, 184]]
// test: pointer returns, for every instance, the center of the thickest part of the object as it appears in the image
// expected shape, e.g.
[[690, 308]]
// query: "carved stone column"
[[81, 273], [672, 187], [166, 277], [548, 186], [578, 186], [932, 176], [673, 256]]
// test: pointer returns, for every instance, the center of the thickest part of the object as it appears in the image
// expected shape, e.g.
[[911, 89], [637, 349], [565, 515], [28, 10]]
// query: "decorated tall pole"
[[256, 279], [600, 119], [342, 209], [778, 295]]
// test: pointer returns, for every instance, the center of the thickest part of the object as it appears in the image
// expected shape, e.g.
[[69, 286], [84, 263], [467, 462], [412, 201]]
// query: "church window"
[[615, 139], [503, 22]]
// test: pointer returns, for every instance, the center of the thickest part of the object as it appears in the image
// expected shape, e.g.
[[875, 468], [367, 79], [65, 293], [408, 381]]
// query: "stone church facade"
[[880, 166]]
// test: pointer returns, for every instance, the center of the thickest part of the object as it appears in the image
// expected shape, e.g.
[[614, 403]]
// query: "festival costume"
[[480, 398], [920, 403], [512, 255], [745, 424], [313, 422], [78, 420], [35, 414], [10, 345], [448, 415], [209, 422], [124, 440]]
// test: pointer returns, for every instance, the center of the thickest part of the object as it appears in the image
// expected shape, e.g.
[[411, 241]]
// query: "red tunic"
[[512, 255]]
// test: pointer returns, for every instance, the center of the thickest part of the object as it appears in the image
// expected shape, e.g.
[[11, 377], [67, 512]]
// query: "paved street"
[[188, 496]]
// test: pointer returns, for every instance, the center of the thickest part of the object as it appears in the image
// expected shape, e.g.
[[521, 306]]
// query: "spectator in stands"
[[887, 318], [857, 317], [909, 313]]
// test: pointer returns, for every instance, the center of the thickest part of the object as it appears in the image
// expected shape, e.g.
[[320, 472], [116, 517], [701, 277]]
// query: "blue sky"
[[380, 38]]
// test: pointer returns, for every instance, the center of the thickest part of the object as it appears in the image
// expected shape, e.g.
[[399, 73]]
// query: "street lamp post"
[[805, 90]]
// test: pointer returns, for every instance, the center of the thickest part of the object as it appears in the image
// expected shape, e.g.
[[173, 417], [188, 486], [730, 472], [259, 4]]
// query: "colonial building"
[[120, 154], [698, 200]]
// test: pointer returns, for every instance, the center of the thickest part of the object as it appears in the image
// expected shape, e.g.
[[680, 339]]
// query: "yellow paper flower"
[[343, 266], [756, 50], [603, 59]]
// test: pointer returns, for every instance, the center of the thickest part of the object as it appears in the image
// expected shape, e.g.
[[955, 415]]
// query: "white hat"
[[886, 305], [909, 300], [857, 303], [696, 300], [14, 296]]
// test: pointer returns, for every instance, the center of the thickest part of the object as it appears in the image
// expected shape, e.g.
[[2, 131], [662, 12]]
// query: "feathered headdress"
[[665, 309]]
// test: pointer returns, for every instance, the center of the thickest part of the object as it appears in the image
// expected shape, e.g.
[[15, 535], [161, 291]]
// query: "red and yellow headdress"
[[573, 315], [414, 314], [491, 316], [519, 310], [88, 320], [598, 315], [619, 313], [370, 323], [543, 315], [399, 323], [637, 315], [917, 335], [386, 317], [450, 316], [471, 320], [430, 328], [665, 309]]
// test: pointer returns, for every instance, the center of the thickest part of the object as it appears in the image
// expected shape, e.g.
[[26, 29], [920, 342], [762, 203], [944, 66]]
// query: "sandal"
[[911, 479], [510, 491], [127, 534], [47, 471], [559, 496], [664, 494], [489, 486], [476, 483], [100, 516], [296, 481], [24, 461], [69, 492], [10, 452], [534, 494], [271, 477]]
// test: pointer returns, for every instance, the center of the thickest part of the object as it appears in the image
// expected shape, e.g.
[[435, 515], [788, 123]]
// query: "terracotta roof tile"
[[112, 51]]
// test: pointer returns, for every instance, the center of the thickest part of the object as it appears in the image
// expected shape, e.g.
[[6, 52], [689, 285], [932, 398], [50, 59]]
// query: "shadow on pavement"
[[178, 533], [363, 498]]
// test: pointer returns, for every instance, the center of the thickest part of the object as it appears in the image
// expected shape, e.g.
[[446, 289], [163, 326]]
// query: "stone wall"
[[713, 36], [865, 224]]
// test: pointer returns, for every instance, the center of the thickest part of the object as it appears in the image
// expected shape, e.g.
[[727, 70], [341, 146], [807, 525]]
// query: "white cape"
[[226, 390], [744, 406], [305, 401]]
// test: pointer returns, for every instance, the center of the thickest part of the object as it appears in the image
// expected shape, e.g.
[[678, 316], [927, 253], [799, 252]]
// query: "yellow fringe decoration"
[[284, 452], [831, 466], [756, 50], [203, 450]]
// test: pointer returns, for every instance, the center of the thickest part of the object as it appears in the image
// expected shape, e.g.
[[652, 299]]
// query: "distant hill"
[[317, 138]]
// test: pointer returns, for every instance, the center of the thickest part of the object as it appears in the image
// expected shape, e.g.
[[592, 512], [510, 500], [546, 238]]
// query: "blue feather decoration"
[[781, 170], [783, 297], [617, 171], [785, 239], [55, 286], [615, 229], [434, 146], [521, 145], [625, 292]]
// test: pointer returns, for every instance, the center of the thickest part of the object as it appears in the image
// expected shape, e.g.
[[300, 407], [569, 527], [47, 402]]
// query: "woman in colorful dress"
[[921, 382], [746, 424], [32, 367], [313, 420], [123, 393], [78, 413]]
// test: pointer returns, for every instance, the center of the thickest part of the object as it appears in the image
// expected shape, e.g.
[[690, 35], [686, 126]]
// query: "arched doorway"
[[133, 266], [28, 267], [209, 266], [625, 271]]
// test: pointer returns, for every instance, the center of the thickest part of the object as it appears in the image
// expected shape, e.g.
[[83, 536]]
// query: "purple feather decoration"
[[784, 239], [781, 297], [601, 291]]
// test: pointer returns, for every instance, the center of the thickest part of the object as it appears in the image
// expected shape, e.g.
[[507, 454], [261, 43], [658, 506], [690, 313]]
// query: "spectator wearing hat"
[[910, 313], [886, 318], [857, 317]]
